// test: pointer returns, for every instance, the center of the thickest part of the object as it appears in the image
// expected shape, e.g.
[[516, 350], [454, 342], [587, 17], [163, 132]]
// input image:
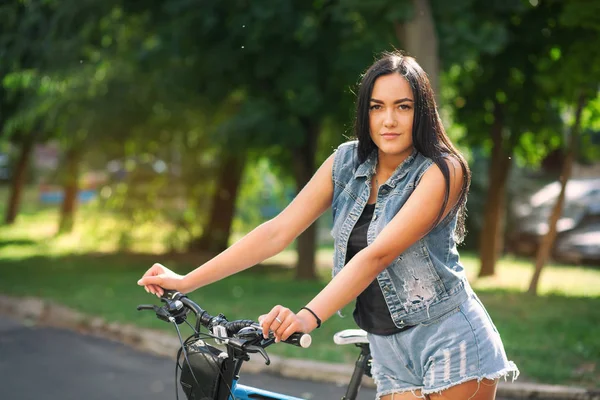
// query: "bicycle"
[[210, 373]]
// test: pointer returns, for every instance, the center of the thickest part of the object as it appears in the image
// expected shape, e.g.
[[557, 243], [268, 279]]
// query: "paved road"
[[52, 364]]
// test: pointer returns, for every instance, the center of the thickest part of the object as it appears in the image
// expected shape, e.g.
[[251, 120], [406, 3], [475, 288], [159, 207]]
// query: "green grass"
[[553, 337]]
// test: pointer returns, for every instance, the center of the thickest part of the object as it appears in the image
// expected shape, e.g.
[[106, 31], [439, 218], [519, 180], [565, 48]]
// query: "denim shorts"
[[456, 347]]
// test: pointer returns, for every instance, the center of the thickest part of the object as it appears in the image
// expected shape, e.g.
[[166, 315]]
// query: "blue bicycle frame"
[[243, 392]]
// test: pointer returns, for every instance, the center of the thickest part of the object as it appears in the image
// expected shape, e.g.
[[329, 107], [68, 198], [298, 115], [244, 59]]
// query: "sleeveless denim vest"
[[427, 279]]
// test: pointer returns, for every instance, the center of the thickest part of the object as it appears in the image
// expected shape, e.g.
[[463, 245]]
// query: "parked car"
[[581, 244], [578, 229]]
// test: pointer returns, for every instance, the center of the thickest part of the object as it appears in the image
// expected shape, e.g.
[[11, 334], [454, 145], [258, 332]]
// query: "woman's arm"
[[263, 242], [410, 224]]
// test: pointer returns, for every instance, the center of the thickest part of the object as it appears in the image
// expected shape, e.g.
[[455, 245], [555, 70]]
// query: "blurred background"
[[163, 131]]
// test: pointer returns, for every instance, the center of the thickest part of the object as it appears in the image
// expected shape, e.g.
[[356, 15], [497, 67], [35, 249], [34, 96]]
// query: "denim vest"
[[427, 279]]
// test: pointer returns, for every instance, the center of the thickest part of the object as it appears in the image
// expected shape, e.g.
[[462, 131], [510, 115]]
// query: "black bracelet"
[[315, 315]]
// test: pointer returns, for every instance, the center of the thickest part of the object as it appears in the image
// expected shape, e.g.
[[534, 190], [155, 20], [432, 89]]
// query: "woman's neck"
[[387, 163]]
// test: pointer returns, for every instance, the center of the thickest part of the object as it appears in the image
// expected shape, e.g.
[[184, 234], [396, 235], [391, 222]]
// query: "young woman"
[[398, 196]]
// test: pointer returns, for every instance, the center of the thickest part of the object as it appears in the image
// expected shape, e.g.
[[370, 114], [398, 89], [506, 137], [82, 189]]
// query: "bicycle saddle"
[[350, 336]]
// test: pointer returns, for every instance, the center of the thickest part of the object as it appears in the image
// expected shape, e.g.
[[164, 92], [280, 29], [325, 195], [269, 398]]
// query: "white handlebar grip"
[[305, 341]]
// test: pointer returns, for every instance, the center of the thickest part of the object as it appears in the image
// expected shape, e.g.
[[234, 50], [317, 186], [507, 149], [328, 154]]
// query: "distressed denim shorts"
[[456, 347]]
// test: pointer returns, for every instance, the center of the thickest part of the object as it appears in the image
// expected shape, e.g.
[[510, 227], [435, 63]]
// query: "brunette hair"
[[429, 136]]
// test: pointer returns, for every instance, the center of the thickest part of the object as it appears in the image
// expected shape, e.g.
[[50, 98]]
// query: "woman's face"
[[391, 112]]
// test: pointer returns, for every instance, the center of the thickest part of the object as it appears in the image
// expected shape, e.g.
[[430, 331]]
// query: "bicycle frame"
[[361, 367], [243, 392]]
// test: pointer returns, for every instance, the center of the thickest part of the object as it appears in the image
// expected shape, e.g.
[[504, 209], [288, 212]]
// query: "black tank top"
[[371, 312]]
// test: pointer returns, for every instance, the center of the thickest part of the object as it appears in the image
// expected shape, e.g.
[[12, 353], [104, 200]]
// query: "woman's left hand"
[[283, 322]]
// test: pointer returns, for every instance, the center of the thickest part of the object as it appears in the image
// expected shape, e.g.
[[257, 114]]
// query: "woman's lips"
[[390, 136]]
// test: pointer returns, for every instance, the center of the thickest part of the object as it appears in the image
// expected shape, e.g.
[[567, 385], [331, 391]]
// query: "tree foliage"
[[197, 82]]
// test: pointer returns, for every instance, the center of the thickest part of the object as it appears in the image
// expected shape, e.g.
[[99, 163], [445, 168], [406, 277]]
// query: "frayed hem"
[[401, 391], [503, 373]]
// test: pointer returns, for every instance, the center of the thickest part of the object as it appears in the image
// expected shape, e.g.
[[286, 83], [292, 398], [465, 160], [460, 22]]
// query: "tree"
[[573, 80], [18, 45], [78, 80], [418, 36], [19, 178], [548, 240], [215, 237], [516, 119], [287, 61]]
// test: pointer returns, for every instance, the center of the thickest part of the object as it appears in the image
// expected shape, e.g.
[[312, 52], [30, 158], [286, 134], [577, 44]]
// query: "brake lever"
[[258, 349], [159, 311], [162, 314], [267, 342], [254, 336]]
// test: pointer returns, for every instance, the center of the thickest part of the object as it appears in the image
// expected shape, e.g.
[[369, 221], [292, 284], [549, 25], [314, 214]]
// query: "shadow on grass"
[[17, 242], [41, 265]]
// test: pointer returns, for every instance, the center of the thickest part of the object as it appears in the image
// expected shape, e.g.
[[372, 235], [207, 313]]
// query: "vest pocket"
[[417, 284]]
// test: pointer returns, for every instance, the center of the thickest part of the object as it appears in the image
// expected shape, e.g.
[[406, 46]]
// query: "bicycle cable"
[[185, 356], [183, 348], [213, 366], [191, 326]]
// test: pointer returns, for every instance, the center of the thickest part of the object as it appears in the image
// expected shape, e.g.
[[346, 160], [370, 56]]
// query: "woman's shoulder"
[[422, 159], [346, 152], [345, 160], [423, 162], [348, 146]]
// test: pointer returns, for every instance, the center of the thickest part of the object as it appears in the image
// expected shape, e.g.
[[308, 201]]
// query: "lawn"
[[552, 337]]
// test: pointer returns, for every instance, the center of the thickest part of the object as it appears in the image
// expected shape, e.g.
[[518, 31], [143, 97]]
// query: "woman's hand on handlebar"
[[159, 277], [283, 322]]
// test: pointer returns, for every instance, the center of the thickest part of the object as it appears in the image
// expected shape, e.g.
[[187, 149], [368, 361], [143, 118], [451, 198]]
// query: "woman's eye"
[[404, 107], [375, 107]]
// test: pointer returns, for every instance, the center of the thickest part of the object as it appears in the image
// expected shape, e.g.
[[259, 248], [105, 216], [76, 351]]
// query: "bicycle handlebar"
[[210, 322]]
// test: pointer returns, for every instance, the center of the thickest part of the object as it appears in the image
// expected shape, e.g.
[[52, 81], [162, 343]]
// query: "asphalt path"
[[47, 363], [39, 362]]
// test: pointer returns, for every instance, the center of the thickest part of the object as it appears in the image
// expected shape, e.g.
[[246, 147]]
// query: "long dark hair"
[[429, 136]]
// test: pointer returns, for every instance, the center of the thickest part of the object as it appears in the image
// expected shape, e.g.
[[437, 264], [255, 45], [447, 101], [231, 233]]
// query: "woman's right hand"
[[159, 277]]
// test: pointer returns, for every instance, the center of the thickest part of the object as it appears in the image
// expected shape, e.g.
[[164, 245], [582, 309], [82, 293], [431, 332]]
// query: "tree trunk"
[[216, 236], [419, 38], [70, 191], [491, 239], [303, 164], [18, 179], [548, 240]]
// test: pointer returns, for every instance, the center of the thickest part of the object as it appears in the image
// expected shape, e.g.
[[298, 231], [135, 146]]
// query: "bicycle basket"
[[208, 375]]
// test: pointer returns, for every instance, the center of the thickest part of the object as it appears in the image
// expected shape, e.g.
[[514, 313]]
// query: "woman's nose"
[[390, 119]]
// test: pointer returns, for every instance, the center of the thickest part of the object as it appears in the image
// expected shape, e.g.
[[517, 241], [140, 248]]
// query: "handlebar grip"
[[299, 339]]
